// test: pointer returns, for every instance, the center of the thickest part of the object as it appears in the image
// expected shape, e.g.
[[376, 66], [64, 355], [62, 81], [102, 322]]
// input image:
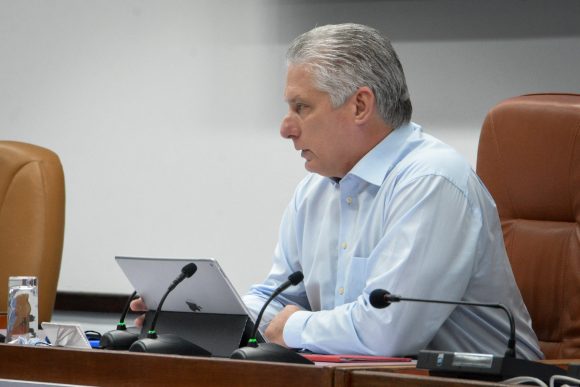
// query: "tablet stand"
[[220, 334]]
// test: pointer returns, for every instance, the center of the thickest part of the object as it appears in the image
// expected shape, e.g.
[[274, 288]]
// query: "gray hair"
[[344, 57]]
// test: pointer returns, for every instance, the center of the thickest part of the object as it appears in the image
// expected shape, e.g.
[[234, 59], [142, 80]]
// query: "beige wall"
[[165, 113]]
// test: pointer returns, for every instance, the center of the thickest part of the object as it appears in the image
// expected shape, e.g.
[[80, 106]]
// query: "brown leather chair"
[[529, 159], [32, 204]]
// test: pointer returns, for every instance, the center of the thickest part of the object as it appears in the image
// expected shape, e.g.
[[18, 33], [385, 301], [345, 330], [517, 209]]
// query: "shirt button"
[[349, 200], [341, 291], [344, 245]]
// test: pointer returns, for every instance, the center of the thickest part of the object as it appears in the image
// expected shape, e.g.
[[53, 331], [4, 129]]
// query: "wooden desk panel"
[[409, 376], [109, 368], [361, 378], [112, 368]]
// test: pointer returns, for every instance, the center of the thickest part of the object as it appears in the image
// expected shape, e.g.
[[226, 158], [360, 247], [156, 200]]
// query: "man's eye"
[[299, 107]]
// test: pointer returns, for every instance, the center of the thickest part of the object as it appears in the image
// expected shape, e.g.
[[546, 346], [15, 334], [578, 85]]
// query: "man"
[[386, 206]]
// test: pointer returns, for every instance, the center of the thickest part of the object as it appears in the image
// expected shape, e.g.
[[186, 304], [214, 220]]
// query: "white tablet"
[[207, 291]]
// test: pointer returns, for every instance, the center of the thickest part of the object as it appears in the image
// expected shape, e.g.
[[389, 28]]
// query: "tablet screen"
[[207, 291]]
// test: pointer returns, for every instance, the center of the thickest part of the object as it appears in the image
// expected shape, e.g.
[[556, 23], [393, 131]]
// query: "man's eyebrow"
[[293, 99]]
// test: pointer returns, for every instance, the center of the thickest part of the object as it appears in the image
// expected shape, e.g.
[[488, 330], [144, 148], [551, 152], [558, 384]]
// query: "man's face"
[[322, 133]]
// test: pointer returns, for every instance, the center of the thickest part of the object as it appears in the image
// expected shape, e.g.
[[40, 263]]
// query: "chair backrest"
[[529, 159], [32, 201]]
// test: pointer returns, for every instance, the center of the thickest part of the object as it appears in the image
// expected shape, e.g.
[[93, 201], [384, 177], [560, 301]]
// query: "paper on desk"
[[354, 358], [66, 335]]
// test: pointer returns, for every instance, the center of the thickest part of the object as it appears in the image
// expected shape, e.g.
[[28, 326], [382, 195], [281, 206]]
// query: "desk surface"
[[116, 368]]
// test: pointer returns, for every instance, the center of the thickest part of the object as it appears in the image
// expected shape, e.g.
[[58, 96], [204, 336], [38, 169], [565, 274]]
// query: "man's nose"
[[289, 128]]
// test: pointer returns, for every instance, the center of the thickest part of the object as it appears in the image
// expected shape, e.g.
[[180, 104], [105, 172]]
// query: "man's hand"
[[275, 331], [137, 305]]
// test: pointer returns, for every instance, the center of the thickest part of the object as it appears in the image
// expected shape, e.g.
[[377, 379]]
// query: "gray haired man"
[[385, 206]]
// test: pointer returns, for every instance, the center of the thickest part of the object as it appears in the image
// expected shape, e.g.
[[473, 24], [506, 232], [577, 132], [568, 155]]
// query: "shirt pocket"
[[356, 278]]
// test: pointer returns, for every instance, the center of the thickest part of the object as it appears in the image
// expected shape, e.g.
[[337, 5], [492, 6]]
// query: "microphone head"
[[378, 298], [295, 278], [189, 269]]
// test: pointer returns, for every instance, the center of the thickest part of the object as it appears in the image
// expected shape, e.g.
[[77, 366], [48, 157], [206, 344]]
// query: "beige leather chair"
[[32, 204], [529, 159]]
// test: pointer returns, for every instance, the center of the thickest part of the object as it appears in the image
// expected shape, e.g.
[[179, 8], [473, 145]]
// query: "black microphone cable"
[[121, 324]]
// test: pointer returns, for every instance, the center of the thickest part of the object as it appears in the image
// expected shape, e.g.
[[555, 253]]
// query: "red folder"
[[354, 358]]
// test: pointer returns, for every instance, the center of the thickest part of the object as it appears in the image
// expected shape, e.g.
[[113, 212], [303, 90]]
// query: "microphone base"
[[269, 352], [483, 366], [118, 340], [169, 344]]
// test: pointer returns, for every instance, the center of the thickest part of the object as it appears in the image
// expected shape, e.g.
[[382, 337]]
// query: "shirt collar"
[[379, 161]]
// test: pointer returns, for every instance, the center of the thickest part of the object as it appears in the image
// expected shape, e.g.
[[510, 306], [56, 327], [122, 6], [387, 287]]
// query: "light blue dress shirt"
[[413, 218]]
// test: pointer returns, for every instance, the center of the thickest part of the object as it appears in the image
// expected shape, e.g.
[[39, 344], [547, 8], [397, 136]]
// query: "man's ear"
[[365, 103]]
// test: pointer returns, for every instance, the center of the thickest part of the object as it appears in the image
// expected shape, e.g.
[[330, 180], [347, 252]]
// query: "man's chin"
[[309, 167], [313, 168]]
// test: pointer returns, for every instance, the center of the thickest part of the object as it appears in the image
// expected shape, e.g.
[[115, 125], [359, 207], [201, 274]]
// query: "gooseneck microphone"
[[120, 338], [270, 351], [472, 365], [169, 343], [186, 272], [380, 298], [293, 280]]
